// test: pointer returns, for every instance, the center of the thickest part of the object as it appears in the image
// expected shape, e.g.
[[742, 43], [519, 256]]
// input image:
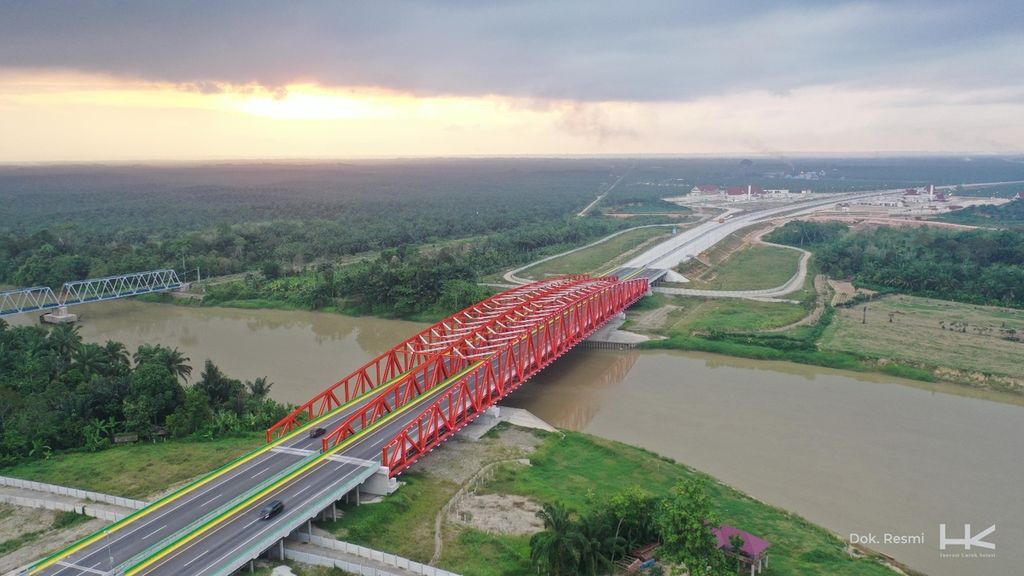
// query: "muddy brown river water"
[[859, 454]]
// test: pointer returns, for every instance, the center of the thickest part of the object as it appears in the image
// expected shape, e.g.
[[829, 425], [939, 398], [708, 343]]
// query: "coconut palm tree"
[[65, 339], [91, 359], [558, 550], [117, 354], [259, 388], [176, 362]]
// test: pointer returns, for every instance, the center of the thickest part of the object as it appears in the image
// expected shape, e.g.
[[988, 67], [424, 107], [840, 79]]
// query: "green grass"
[[580, 470], [476, 553], [12, 544], [61, 521], [138, 470], [923, 333], [403, 523], [597, 258], [753, 268], [728, 314]]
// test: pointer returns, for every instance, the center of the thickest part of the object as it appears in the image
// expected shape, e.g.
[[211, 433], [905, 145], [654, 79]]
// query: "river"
[[858, 454]]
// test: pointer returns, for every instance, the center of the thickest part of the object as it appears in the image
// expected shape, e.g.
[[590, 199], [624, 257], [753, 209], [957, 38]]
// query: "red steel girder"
[[443, 365], [506, 370], [402, 358]]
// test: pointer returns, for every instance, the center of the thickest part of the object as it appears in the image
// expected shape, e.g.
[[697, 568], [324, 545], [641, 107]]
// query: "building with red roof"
[[753, 552]]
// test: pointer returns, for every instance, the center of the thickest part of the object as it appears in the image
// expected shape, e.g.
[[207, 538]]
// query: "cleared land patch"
[[934, 333], [753, 268], [601, 257]]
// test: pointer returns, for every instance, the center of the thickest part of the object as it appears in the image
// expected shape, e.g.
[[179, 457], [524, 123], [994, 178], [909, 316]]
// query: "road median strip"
[[188, 488], [282, 481]]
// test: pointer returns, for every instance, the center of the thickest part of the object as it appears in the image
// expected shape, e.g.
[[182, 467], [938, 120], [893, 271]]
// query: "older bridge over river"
[[378, 421]]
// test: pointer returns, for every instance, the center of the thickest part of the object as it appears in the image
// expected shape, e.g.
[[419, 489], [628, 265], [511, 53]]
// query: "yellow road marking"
[[203, 481], [308, 466]]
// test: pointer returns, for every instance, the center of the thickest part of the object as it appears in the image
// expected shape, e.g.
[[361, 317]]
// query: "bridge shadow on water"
[[569, 393]]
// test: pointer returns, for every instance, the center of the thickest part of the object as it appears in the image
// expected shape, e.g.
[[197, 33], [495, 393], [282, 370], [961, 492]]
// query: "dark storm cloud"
[[581, 50]]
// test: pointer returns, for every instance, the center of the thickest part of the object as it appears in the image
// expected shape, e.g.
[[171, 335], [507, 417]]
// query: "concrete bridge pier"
[[61, 316]]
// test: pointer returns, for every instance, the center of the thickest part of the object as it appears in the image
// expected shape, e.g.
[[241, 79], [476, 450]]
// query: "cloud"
[[578, 50]]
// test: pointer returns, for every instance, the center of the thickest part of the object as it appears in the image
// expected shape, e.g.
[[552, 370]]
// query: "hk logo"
[[977, 540]]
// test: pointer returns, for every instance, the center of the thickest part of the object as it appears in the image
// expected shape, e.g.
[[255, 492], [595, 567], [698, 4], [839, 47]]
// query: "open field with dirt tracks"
[[930, 332]]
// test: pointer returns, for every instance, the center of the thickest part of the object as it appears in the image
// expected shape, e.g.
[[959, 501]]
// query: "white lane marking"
[[206, 489], [258, 473], [210, 500], [154, 531], [78, 567], [351, 460], [270, 525], [308, 486], [196, 558]]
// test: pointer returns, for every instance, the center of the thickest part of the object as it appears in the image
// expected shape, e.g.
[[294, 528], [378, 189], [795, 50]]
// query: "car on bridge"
[[273, 508]]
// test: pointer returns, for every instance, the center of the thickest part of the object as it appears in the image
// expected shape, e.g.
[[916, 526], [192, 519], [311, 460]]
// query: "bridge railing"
[[27, 300], [506, 370], [445, 364], [121, 286], [394, 366]]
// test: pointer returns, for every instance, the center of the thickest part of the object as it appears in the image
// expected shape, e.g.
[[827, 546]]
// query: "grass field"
[[753, 268], [578, 469], [135, 471], [727, 314], [916, 334], [600, 257]]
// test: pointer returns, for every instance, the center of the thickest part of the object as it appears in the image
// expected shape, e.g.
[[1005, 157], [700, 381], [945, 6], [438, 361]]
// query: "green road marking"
[[103, 532], [305, 468]]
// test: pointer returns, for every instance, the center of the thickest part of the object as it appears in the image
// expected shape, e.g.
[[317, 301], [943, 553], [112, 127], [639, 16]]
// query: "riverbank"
[[487, 533], [568, 467]]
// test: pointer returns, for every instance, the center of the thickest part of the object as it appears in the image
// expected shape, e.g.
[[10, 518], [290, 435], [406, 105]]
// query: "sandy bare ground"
[[653, 320], [459, 459], [497, 514], [16, 521]]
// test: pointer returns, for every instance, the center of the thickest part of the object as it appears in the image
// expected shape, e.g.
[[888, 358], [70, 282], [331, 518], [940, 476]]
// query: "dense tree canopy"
[[57, 392], [979, 266]]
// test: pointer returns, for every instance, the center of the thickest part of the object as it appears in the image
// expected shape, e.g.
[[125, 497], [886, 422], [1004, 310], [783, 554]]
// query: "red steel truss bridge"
[[478, 356], [377, 422]]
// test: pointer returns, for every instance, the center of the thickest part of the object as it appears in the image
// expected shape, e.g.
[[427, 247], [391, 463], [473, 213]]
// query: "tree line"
[[976, 266], [58, 392], [594, 543], [409, 281]]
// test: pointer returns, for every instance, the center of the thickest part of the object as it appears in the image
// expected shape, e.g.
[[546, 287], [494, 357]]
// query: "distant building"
[[739, 193], [777, 193], [705, 190]]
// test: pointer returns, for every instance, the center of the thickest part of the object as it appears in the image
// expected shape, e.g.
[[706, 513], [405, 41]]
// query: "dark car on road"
[[316, 432], [273, 508]]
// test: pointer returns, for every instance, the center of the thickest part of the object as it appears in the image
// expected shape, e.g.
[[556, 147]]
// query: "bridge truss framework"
[[40, 298]]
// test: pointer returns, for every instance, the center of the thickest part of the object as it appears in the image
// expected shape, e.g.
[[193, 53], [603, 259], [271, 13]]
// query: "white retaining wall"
[[72, 492], [108, 515], [369, 554]]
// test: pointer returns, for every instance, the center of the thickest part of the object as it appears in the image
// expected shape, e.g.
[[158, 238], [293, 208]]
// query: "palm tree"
[[602, 546], [65, 339], [177, 363], [91, 359], [117, 354], [174, 360], [558, 550], [259, 388]]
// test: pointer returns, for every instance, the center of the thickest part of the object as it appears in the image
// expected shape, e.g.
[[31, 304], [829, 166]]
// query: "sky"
[[84, 80]]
